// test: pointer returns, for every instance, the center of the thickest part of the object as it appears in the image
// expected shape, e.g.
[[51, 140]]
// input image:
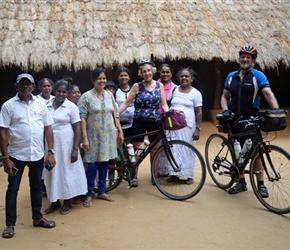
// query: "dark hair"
[[110, 84], [72, 86], [40, 82], [191, 71], [166, 65], [68, 78], [122, 69], [96, 73], [61, 82]]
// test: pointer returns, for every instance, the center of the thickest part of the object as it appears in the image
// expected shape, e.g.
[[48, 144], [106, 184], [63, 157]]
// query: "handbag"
[[273, 120], [173, 119]]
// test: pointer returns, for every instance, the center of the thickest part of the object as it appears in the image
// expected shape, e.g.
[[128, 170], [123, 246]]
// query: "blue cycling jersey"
[[245, 94]]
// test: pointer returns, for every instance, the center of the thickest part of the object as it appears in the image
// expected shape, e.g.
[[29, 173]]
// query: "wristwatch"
[[50, 151]]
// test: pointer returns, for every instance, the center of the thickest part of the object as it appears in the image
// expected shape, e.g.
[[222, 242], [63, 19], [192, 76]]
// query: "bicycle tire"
[[184, 154], [218, 148], [279, 192]]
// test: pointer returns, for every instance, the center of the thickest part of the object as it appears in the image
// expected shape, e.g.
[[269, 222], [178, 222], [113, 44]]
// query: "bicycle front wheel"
[[187, 157], [113, 180], [277, 181], [219, 156]]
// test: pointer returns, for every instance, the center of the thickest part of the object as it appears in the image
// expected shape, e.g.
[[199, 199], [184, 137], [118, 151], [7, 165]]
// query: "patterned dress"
[[101, 129]]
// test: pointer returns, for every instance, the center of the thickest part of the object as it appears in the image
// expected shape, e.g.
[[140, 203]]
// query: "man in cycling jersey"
[[241, 97]]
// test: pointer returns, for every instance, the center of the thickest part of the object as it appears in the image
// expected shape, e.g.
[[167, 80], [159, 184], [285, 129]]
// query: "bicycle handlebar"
[[253, 120]]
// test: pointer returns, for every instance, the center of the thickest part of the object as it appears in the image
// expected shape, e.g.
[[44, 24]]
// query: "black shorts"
[[140, 127]]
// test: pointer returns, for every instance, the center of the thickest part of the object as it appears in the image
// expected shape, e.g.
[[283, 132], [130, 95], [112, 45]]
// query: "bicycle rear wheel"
[[277, 163], [186, 156], [219, 156]]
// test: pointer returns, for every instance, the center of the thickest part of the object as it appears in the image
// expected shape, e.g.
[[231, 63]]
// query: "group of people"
[[48, 130]]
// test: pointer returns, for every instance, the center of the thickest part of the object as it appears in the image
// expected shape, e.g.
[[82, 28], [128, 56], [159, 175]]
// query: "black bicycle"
[[225, 168], [174, 155]]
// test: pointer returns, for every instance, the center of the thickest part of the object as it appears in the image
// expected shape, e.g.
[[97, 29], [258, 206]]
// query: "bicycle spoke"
[[218, 157], [277, 180]]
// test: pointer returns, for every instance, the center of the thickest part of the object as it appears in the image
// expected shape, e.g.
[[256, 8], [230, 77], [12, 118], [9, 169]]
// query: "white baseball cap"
[[25, 76]]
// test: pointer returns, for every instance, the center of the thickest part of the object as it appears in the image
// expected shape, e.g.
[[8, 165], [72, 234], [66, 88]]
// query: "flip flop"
[[105, 197], [88, 203], [8, 232], [65, 209]]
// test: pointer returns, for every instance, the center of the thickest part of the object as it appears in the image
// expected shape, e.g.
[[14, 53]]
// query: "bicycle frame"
[[258, 143], [161, 136]]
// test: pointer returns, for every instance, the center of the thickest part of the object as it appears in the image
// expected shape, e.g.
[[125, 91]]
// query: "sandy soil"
[[142, 218]]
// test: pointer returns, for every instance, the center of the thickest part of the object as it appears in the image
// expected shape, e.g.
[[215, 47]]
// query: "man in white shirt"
[[23, 120]]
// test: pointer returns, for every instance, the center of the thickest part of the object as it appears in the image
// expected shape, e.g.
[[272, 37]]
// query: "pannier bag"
[[173, 119], [273, 120]]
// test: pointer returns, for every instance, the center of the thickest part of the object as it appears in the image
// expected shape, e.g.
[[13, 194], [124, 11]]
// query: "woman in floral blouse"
[[99, 130], [147, 95]]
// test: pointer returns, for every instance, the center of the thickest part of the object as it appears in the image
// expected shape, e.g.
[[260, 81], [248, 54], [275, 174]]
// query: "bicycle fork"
[[266, 152], [167, 149]]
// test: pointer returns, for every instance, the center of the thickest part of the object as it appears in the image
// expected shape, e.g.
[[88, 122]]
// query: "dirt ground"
[[142, 218]]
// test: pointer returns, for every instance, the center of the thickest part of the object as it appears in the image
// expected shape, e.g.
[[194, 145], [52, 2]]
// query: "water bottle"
[[131, 153], [142, 148], [238, 151], [247, 145]]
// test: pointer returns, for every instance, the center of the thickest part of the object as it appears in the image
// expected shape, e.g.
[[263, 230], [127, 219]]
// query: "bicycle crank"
[[234, 173]]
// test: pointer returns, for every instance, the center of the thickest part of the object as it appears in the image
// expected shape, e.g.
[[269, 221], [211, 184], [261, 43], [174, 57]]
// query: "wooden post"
[[219, 83]]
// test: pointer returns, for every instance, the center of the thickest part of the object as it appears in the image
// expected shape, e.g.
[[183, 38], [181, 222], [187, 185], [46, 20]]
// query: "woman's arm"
[[84, 133], [198, 120], [134, 91], [77, 135], [163, 100]]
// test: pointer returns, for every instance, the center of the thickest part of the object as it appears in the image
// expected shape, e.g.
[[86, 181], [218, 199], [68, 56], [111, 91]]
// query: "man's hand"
[[50, 158], [8, 166]]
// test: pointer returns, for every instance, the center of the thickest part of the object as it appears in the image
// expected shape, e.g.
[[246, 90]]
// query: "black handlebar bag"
[[273, 120]]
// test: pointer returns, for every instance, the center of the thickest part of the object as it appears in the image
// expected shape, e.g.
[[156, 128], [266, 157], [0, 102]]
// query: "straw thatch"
[[85, 33]]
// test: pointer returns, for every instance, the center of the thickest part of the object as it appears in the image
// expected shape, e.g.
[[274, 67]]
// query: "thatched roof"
[[85, 33]]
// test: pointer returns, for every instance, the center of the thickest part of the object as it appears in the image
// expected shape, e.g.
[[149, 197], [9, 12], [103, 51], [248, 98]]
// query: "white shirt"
[[126, 117], [44, 100], [26, 127]]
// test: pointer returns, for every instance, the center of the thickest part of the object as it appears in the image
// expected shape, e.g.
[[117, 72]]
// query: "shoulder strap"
[[172, 93]]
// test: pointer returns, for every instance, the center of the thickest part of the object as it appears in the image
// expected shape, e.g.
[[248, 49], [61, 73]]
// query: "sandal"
[[66, 208], [172, 178], [189, 181], [105, 197], [134, 183], [88, 202], [53, 206], [8, 232]]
